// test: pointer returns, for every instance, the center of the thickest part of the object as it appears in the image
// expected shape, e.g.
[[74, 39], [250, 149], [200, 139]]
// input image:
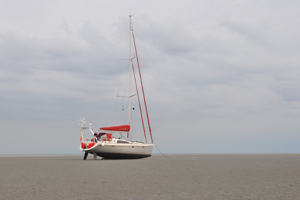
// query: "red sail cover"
[[122, 128]]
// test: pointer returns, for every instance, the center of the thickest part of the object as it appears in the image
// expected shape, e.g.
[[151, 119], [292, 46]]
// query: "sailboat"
[[103, 143]]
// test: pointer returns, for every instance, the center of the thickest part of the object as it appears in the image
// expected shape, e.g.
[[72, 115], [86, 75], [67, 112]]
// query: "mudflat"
[[176, 177]]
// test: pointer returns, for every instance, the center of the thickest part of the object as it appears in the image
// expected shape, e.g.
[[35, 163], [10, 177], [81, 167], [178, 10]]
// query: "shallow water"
[[157, 177]]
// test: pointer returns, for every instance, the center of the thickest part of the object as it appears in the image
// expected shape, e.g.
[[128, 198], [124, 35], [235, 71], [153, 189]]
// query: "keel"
[[85, 155]]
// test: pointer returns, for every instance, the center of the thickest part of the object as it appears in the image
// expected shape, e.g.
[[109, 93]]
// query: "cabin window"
[[120, 141]]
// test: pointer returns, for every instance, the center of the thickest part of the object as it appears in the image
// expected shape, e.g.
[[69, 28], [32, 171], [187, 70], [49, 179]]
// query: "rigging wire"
[[139, 103], [161, 152], [109, 106], [104, 118], [137, 60], [119, 79], [121, 60]]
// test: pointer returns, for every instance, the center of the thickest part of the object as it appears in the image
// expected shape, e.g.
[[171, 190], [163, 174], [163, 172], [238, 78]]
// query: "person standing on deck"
[[95, 138]]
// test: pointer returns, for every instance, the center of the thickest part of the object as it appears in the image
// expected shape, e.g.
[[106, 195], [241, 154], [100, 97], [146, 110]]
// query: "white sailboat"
[[103, 143]]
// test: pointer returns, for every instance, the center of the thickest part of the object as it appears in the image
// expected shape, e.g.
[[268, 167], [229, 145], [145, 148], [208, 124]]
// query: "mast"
[[130, 64]]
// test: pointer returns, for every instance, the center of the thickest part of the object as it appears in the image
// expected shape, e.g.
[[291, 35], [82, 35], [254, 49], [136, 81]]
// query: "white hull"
[[120, 151]]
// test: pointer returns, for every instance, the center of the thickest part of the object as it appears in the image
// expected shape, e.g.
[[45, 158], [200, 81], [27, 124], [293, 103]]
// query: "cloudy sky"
[[220, 76]]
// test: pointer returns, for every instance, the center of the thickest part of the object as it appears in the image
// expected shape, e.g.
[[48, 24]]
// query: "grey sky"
[[220, 76]]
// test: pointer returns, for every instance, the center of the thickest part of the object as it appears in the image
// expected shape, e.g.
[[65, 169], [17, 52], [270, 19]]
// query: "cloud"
[[244, 31], [219, 74], [39, 74], [64, 26]]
